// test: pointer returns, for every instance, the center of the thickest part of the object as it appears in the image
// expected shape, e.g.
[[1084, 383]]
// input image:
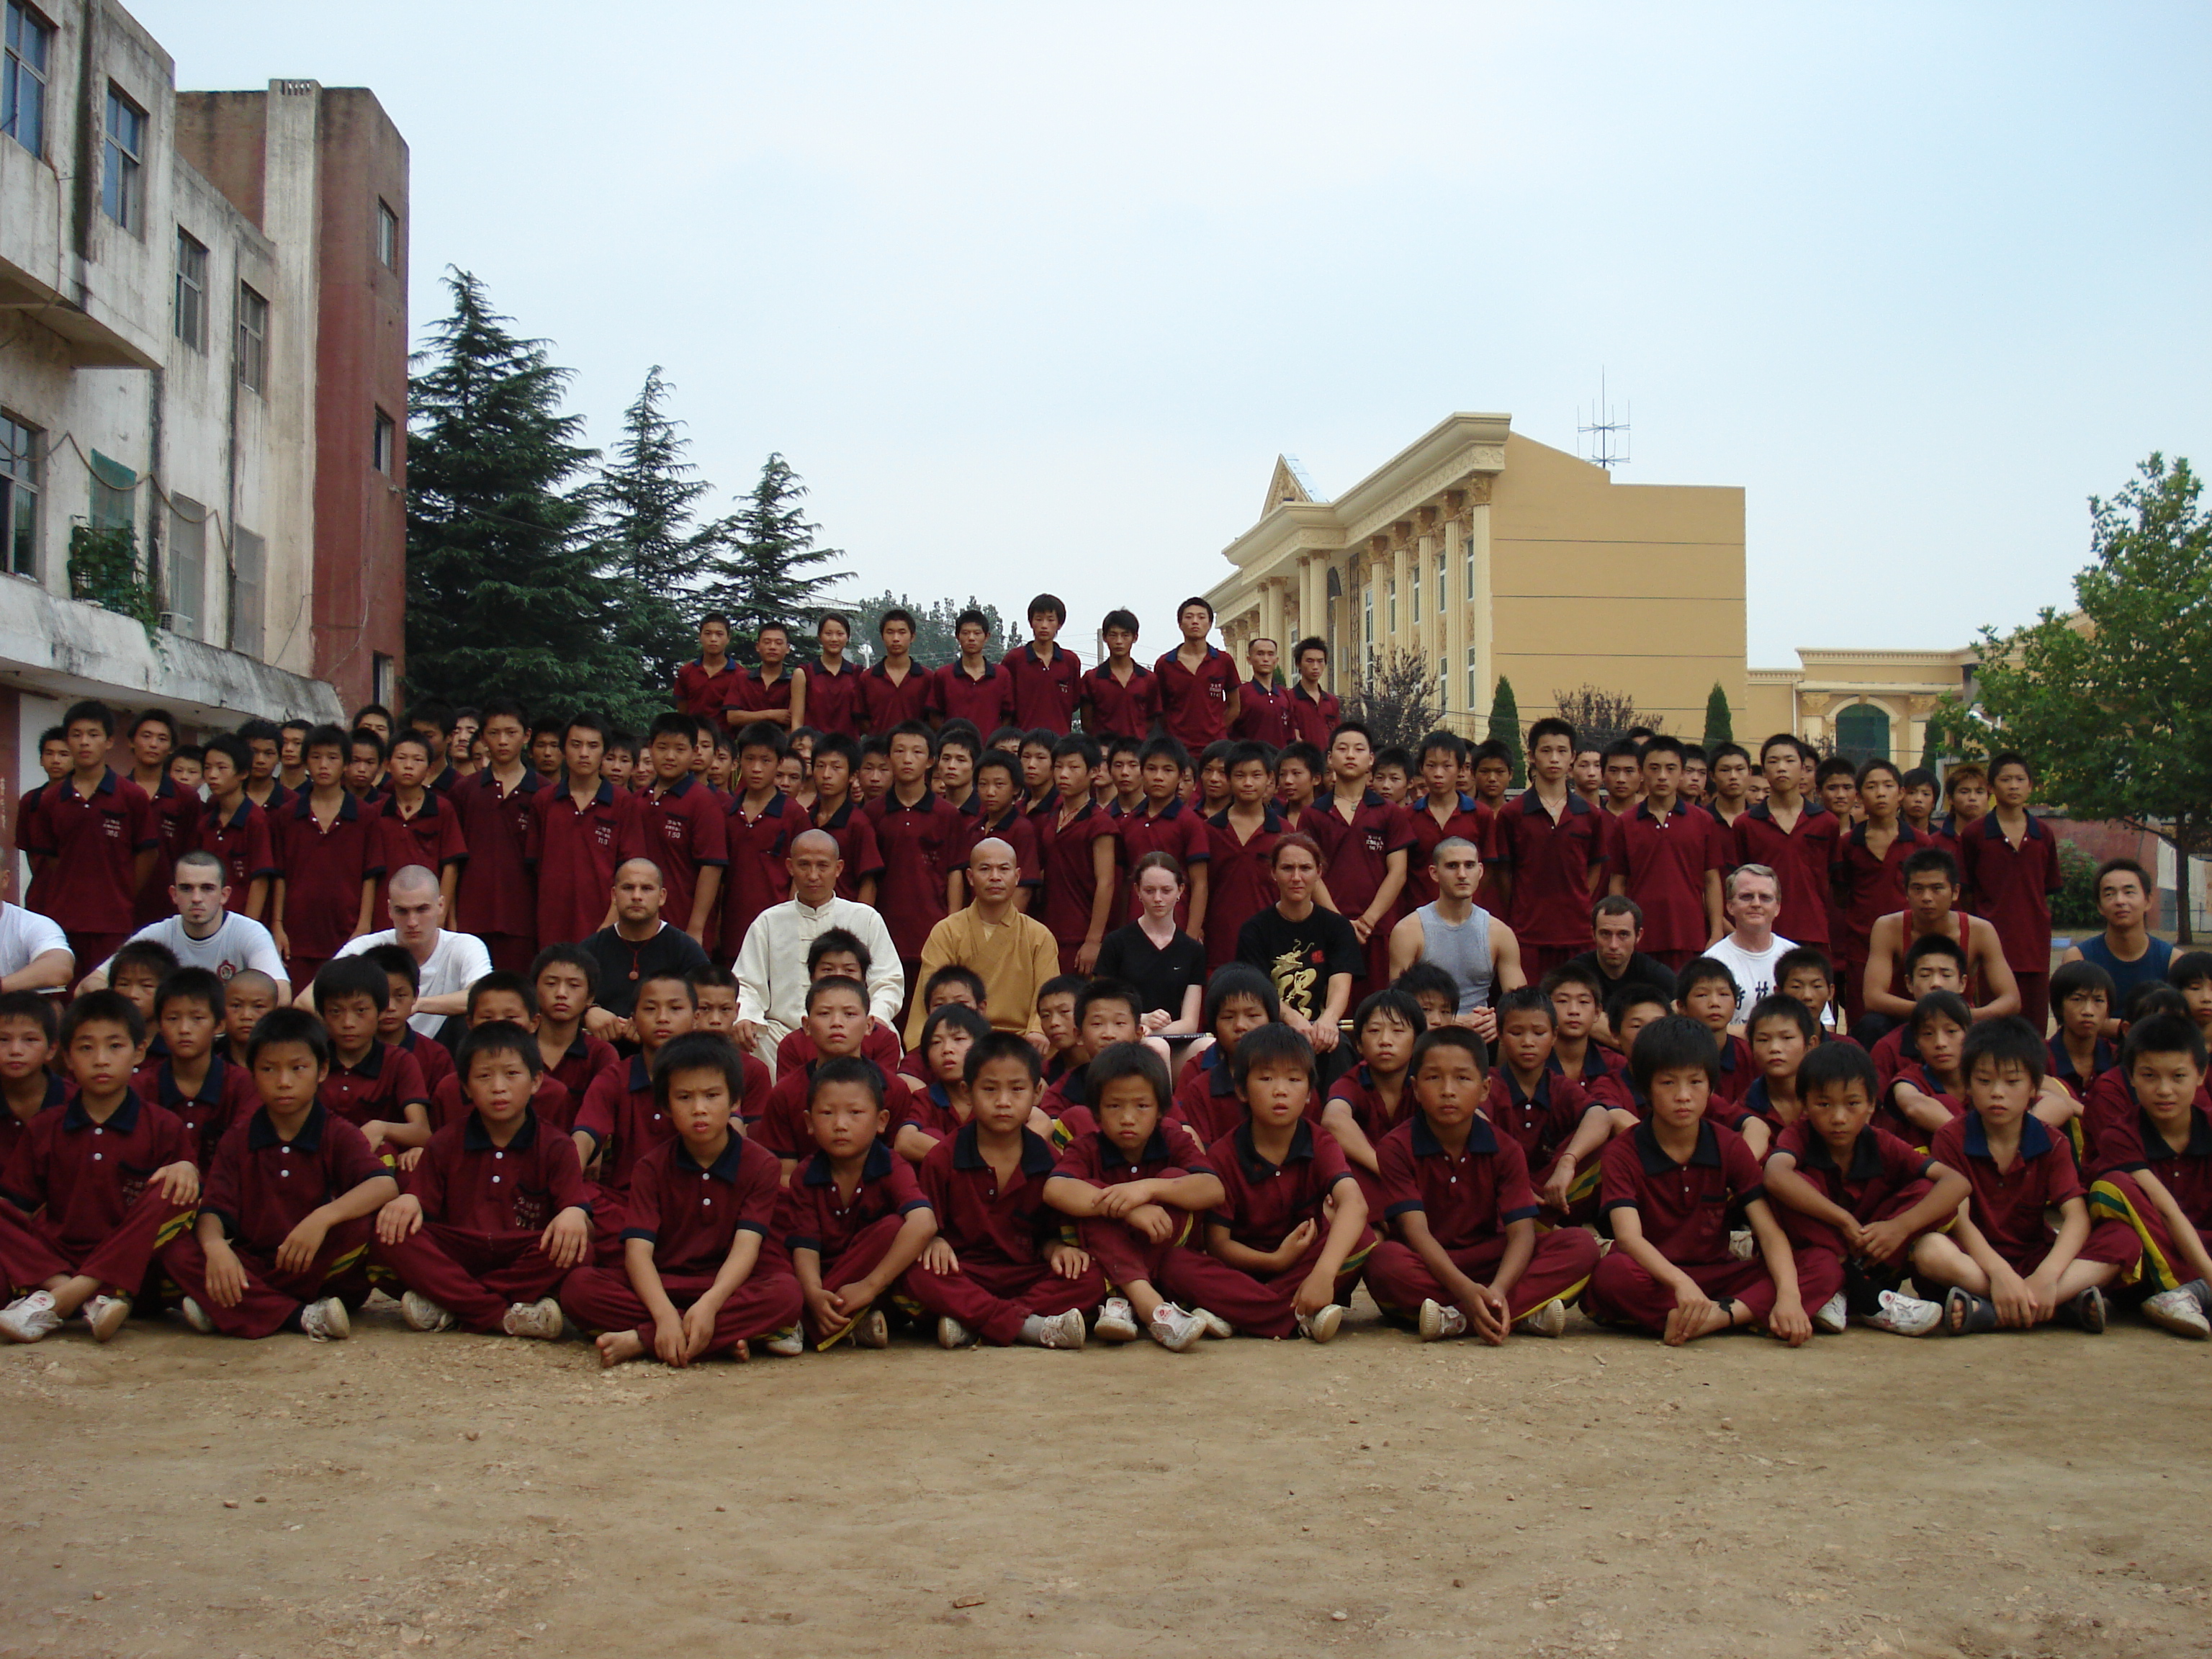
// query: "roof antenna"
[[1609, 437]]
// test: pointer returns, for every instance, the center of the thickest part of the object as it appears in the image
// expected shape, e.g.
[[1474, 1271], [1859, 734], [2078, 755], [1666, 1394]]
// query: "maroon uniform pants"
[[272, 1296], [994, 1298], [603, 1299], [1621, 1293], [863, 1253], [1258, 1304], [2109, 1240], [475, 1277], [2117, 1197], [1399, 1281], [31, 1250], [1125, 1255]]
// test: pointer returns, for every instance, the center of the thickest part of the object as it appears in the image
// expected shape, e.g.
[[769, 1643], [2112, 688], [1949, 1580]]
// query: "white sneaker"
[[951, 1334], [423, 1314], [789, 1343], [1322, 1326], [1905, 1315], [106, 1315], [542, 1320], [196, 1316], [1064, 1330], [326, 1320], [1217, 1330], [1832, 1317], [1743, 1244], [1117, 1322], [1174, 1329], [872, 1330], [28, 1318], [1439, 1321], [1550, 1320], [2177, 1311]]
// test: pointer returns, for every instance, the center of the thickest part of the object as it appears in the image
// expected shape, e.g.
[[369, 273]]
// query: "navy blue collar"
[[1655, 1161], [724, 1166], [1481, 1138], [1866, 1156], [2034, 1137], [476, 1137], [1037, 1152], [174, 1097], [1157, 1151], [261, 1133], [372, 1063], [1992, 830], [873, 1167], [1575, 805], [349, 806], [1256, 1167], [123, 1119], [1806, 808]]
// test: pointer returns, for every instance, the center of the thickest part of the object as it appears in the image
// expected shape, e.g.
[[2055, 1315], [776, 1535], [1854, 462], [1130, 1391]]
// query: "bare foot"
[[1688, 1324], [615, 1347], [743, 1352]]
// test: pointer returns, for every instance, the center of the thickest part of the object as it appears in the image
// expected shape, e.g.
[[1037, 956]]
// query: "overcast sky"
[[1032, 296]]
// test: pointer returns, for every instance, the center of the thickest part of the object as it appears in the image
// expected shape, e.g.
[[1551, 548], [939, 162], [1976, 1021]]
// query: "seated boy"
[[838, 954], [1927, 1092], [2081, 996], [207, 1092], [1133, 1192], [1577, 998], [1285, 1244], [1559, 1130], [29, 1028], [1707, 991], [2002, 1264], [137, 971], [563, 983], [370, 1085], [495, 1214], [942, 1109], [1781, 1031], [835, 1026], [94, 1190], [697, 1275], [1367, 1102], [1467, 1255], [1805, 975], [1670, 1187], [998, 1271], [2151, 1126], [622, 1117], [282, 1242], [403, 978], [503, 999], [1434, 992], [248, 994], [1841, 1185], [1239, 999], [852, 1217], [1056, 1009], [2188, 973], [1107, 1012]]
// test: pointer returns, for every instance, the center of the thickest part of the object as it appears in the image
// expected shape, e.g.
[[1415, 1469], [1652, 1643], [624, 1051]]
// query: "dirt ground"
[[2028, 1495]]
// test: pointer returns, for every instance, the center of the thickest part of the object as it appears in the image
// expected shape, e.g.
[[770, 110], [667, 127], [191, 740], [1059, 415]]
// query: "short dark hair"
[[572, 955], [1273, 1041], [2010, 1038], [1551, 726], [234, 748], [1393, 755], [395, 959], [1201, 601], [1935, 944], [1836, 766], [327, 737], [957, 1014], [970, 617], [1001, 1045], [497, 1037], [1358, 727], [1777, 1006], [997, 760], [837, 743], [285, 1026], [2163, 1034], [1449, 1036], [1574, 973], [90, 709], [161, 717], [1077, 745], [142, 953], [1789, 740], [1663, 743], [1047, 604], [1391, 999], [106, 1008], [1801, 958], [710, 976], [2149, 996], [499, 980], [834, 982], [350, 976], [1705, 970], [1675, 1043], [1311, 642], [704, 1051], [1635, 993], [366, 736], [841, 1068], [1124, 620], [2071, 979], [2005, 757], [198, 985], [1440, 742], [1425, 976], [1618, 904], [1927, 859], [1304, 754], [1722, 751], [1874, 765], [954, 974], [1622, 749], [1110, 990], [761, 735], [29, 1005], [1838, 1065], [1940, 1005], [1119, 1059], [2188, 967], [834, 941], [1526, 999], [898, 613], [1239, 979], [2123, 867]]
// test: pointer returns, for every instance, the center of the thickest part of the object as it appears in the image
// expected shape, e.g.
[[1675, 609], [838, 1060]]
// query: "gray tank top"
[[1461, 950]]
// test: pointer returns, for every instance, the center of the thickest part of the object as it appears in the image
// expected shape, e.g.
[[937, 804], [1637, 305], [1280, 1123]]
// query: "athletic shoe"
[[326, 1320], [28, 1318], [423, 1314], [1439, 1321], [2177, 1311], [1322, 1326], [1117, 1322], [1550, 1320], [1217, 1330], [196, 1316], [1174, 1329], [1905, 1315], [1832, 1317], [789, 1343], [1064, 1330], [106, 1315], [951, 1334], [542, 1320], [872, 1330]]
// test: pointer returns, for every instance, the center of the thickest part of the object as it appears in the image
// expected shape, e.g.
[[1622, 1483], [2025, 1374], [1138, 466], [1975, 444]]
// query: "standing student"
[[1667, 858], [434, 722], [773, 694], [684, 829], [1263, 708], [972, 688], [232, 827], [1198, 684], [1869, 873], [1163, 822], [2010, 863], [1624, 775], [328, 868], [1441, 813], [2126, 950], [1556, 845], [838, 814], [1916, 794], [1046, 677], [291, 772], [152, 738], [1793, 836], [758, 829], [54, 761], [1241, 840], [93, 842], [1728, 772], [1967, 790], [1120, 697], [578, 832], [173, 802], [1365, 871], [896, 690], [834, 699], [415, 826], [498, 899], [1077, 846], [998, 815], [1313, 710], [918, 833]]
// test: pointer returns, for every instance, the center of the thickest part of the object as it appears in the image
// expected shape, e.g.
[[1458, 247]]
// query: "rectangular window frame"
[[23, 82], [384, 445], [249, 586], [191, 301], [184, 587], [253, 339], [388, 235], [22, 453], [123, 160], [1414, 572], [1474, 680]]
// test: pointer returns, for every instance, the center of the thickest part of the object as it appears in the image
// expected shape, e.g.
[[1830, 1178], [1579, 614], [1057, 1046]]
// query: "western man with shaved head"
[[1013, 954], [449, 962], [771, 962], [639, 946]]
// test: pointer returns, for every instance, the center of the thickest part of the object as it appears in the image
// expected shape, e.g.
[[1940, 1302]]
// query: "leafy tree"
[[1395, 698], [2112, 705], [1599, 716], [1505, 727], [1720, 725], [504, 595], [934, 643], [766, 567], [650, 542]]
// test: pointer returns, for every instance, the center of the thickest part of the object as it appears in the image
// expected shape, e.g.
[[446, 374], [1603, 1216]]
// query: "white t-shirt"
[[1754, 973], [459, 961], [25, 936], [238, 943]]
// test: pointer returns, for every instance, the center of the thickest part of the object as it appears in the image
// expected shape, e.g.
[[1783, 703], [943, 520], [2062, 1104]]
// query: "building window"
[[122, 180], [114, 495], [1862, 733], [383, 679], [1468, 595], [1442, 565], [386, 438], [1370, 616], [252, 340], [249, 557], [184, 587], [1473, 681], [1416, 574], [19, 489], [1393, 602], [23, 79], [1443, 690], [191, 291], [388, 237]]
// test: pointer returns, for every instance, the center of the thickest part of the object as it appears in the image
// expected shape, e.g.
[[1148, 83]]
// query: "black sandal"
[[2086, 1310], [1966, 1313]]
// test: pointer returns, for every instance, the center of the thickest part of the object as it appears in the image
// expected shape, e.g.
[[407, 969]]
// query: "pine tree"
[[1720, 727], [1505, 727], [767, 567], [504, 599], [652, 545]]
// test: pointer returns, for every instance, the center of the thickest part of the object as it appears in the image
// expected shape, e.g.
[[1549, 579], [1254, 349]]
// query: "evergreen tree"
[[766, 567], [1505, 727], [1720, 725], [504, 599], [652, 545]]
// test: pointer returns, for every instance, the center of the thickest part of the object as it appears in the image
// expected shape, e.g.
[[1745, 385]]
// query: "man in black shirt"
[[639, 946], [1616, 929]]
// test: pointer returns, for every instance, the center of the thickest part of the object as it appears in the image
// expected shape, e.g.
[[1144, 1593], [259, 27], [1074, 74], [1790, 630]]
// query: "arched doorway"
[[1862, 733]]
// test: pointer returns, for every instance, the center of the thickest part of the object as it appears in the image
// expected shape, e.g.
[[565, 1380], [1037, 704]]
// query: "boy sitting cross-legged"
[[208, 1092], [1367, 1102], [284, 1223], [1670, 1187], [371, 1084], [998, 1270], [503, 999], [1466, 1255], [93, 1188], [622, 1117], [2150, 1124], [495, 1214], [836, 1026], [1842, 1185], [1559, 1130], [698, 1274]]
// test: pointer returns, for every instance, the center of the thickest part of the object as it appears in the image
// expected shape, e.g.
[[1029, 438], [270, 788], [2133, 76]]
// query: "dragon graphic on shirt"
[[1295, 978]]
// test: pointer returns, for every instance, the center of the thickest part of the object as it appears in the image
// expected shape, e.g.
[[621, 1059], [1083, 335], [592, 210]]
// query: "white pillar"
[[1465, 711], [1474, 573]]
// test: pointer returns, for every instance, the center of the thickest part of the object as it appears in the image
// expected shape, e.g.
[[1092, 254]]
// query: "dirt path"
[[403, 1494]]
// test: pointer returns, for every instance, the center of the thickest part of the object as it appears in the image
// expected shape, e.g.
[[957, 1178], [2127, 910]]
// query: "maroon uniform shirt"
[[91, 885], [623, 1120], [1685, 1208], [1356, 862], [1091, 1158], [1261, 1202], [880, 1045], [1194, 702], [432, 838], [1881, 1166], [430, 1055], [1873, 887], [986, 701], [749, 694], [1003, 1225], [1540, 1124], [466, 1180], [380, 1088], [885, 703], [758, 877], [12, 1129], [584, 1060], [776, 1117], [1467, 1200], [85, 1174], [2010, 888], [226, 1096], [1017, 829], [497, 892], [1239, 883], [691, 1213], [1356, 1088], [2006, 1206], [848, 826], [575, 851], [1312, 721], [2104, 1057], [261, 1186], [701, 694], [834, 701], [241, 840], [554, 1102], [323, 870], [1044, 695], [1469, 820], [1665, 863], [817, 1217], [1176, 828], [1800, 858], [1119, 710], [1263, 714], [919, 844], [1550, 859], [175, 817], [685, 831], [1069, 875], [2127, 1142]]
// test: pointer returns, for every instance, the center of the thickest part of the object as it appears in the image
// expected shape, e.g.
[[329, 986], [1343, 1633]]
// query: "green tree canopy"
[[1720, 725], [651, 542], [766, 567], [1505, 727]]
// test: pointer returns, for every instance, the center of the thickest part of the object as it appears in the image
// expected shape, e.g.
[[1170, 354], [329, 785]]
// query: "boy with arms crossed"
[[2151, 1129]]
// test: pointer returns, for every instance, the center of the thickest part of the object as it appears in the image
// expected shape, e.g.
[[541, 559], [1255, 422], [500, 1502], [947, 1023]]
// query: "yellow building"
[[1869, 703], [1491, 554]]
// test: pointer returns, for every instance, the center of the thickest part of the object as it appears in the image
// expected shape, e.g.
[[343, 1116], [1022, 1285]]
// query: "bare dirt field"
[[174, 1494]]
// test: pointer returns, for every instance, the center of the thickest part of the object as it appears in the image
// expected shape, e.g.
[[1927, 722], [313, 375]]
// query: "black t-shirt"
[[1641, 970], [1160, 976], [1301, 956], [622, 965]]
